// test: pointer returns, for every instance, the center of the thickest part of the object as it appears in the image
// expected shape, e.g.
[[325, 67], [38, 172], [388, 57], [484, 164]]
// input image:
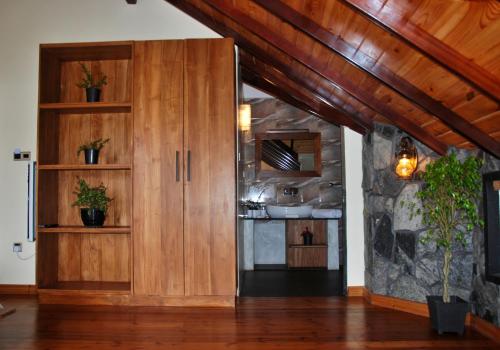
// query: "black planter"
[[92, 217], [447, 317], [93, 94], [91, 156], [308, 239]]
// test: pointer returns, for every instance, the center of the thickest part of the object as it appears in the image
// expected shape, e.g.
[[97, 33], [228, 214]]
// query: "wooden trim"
[[383, 74], [18, 289], [86, 297], [356, 291], [431, 47], [190, 301], [335, 77], [87, 107], [485, 328], [84, 229], [84, 167]]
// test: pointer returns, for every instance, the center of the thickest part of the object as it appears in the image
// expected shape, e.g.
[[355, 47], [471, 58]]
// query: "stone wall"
[[397, 263]]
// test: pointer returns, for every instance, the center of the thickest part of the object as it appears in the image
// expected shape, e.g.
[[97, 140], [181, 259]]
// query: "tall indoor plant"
[[449, 194]]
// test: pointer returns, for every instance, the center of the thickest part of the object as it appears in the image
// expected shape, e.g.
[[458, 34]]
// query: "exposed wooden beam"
[[315, 103], [382, 73], [266, 85], [431, 47], [131, 2], [345, 84], [278, 64]]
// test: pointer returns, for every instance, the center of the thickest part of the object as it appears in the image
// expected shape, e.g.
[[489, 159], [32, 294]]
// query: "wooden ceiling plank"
[[362, 120], [431, 47], [252, 64], [338, 80], [382, 73]]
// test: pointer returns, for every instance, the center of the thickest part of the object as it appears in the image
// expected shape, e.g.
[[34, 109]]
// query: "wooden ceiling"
[[431, 68]]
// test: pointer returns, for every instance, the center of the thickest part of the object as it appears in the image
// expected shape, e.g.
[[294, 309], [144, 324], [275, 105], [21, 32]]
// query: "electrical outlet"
[[17, 247]]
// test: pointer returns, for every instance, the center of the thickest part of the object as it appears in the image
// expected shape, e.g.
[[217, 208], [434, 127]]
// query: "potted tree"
[[449, 194], [91, 150], [93, 203], [91, 85]]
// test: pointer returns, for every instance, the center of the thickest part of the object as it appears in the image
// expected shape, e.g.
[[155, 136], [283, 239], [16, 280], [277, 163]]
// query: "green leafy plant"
[[450, 193], [91, 197], [96, 144], [88, 80]]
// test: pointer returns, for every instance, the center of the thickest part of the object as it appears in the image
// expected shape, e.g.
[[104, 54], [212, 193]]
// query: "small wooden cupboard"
[[169, 236]]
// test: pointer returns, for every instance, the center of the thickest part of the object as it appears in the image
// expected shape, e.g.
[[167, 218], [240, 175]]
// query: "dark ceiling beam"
[[337, 79], [431, 47], [315, 103], [278, 64], [131, 2], [382, 73], [269, 87]]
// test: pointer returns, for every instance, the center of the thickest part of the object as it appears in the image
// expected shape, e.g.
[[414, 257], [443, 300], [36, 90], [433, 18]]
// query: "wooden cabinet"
[[169, 109], [300, 255]]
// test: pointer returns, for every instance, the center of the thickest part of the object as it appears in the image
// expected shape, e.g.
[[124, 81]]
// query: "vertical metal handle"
[[177, 178], [189, 166]]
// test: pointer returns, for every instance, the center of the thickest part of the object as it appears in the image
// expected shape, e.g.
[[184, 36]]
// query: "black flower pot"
[[91, 156], [92, 217], [308, 239], [93, 94], [447, 317]]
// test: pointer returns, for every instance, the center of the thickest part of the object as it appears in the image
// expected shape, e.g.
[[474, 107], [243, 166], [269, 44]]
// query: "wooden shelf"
[[87, 107], [84, 167], [83, 229], [119, 287], [308, 246]]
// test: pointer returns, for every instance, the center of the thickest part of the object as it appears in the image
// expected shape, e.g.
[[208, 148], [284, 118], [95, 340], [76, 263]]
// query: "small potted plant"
[[91, 150], [91, 85], [449, 195], [93, 203], [253, 209]]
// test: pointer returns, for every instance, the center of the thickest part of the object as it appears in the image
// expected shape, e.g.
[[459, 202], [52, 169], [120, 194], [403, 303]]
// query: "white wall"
[[24, 24], [354, 208]]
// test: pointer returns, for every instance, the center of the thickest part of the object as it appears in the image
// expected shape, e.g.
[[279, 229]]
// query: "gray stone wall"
[[397, 263]]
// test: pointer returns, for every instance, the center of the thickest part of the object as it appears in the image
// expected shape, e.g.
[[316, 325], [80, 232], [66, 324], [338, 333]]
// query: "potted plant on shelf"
[[91, 85], [93, 203], [449, 194], [91, 150]]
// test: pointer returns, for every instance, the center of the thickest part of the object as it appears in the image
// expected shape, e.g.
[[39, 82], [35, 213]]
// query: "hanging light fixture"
[[245, 115], [406, 158]]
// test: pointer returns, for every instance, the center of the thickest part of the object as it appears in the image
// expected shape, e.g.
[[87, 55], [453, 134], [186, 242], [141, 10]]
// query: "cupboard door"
[[158, 191], [209, 141]]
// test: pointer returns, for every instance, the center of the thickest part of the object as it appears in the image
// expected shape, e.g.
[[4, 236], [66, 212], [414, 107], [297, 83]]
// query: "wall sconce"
[[245, 116], [406, 158]]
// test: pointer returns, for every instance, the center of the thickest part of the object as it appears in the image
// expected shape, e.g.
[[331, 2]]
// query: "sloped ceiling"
[[431, 68]]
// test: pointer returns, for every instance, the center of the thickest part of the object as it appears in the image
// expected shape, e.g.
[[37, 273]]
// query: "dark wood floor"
[[257, 323]]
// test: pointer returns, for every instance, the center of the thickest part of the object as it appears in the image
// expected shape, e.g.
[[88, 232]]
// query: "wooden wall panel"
[[118, 188], [158, 195], [118, 88], [94, 257], [209, 121]]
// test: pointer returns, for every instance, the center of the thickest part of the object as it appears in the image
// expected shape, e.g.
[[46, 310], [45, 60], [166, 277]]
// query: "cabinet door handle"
[[189, 166], [177, 178]]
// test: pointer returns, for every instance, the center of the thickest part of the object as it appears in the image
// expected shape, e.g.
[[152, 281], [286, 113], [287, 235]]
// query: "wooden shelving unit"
[[71, 257], [83, 229], [306, 256]]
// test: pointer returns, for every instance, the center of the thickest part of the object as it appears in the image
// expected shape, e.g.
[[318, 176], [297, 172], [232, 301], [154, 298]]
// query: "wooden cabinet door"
[[158, 260], [209, 150]]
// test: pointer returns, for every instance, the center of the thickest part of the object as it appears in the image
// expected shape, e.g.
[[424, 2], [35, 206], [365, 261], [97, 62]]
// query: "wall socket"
[[17, 247]]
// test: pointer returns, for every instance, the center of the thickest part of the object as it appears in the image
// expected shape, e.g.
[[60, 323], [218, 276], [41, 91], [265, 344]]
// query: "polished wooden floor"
[[257, 323]]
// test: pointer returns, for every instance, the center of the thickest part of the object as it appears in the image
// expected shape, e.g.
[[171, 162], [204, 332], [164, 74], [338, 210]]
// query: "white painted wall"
[[24, 24], [354, 208]]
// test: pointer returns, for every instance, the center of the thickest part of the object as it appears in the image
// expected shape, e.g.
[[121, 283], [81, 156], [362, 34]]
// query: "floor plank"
[[256, 323]]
